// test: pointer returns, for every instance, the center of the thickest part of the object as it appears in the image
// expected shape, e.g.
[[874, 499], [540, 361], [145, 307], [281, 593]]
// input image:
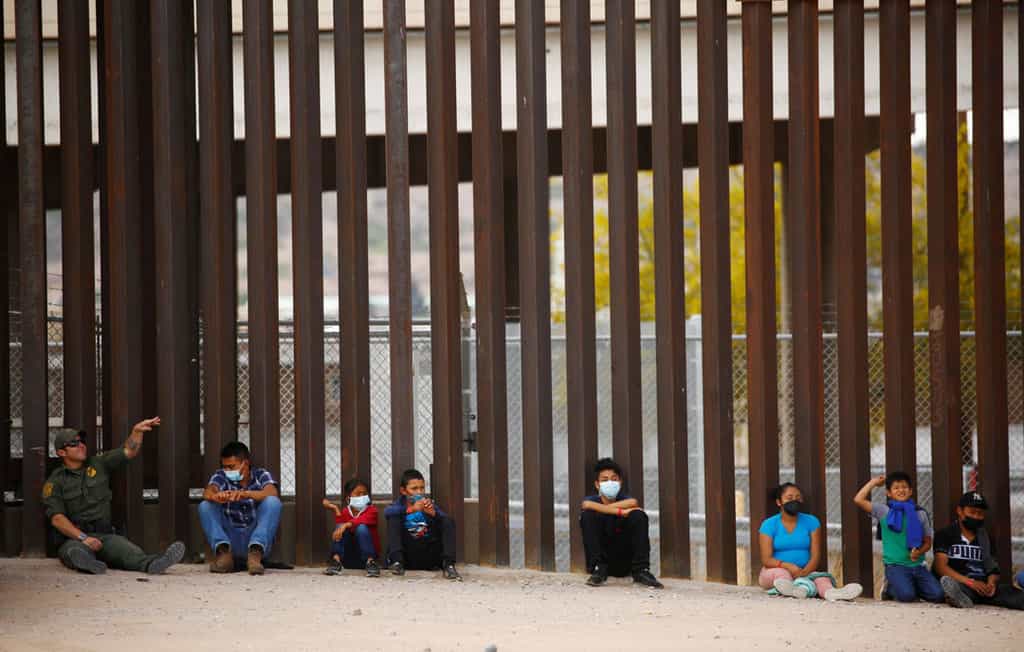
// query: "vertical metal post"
[[307, 256], [759, 204], [77, 178], [578, 198], [990, 269], [5, 318], [943, 259], [851, 287], [624, 245], [716, 317], [489, 240], [261, 236], [350, 100], [534, 279], [218, 223], [32, 232]]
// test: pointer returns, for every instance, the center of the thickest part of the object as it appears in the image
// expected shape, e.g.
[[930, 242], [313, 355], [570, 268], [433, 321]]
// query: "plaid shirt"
[[242, 513]]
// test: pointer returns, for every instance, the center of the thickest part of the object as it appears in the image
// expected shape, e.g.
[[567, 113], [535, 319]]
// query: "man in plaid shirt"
[[240, 512]]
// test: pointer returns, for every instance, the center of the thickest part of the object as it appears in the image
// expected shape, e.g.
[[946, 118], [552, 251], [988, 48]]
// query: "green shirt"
[[894, 544], [83, 495]]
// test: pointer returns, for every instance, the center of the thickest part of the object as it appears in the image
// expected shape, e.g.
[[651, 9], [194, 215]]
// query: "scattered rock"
[[491, 648], [357, 612], [141, 579]]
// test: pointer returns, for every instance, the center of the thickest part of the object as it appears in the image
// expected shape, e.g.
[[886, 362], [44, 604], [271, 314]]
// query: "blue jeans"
[[219, 529], [908, 583], [355, 547]]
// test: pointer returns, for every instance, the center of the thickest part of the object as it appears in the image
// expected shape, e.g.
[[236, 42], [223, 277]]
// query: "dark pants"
[[620, 544], [1005, 596], [430, 552], [908, 583], [355, 548], [117, 552]]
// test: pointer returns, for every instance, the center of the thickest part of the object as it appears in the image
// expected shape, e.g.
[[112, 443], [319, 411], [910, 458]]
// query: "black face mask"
[[973, 524], [793, 507]]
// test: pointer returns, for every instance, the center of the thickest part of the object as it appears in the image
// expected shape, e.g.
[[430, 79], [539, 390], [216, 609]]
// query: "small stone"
[[491, 648], [357, 612], [141, 579]]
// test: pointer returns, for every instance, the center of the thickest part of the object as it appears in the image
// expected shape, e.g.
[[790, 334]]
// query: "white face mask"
[[359, 503], [610, 489]]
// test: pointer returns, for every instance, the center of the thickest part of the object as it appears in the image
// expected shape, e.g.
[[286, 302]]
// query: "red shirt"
[[367, 517]]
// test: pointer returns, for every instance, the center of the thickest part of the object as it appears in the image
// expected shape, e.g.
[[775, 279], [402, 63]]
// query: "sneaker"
[[851, 591], [450, 573], [372, 568], [644, 577], [334, 567], [85, 561], [171, 556], [397, 568], [955, 594], [254, 562], [223, 562], [598, 577], [790, 589]]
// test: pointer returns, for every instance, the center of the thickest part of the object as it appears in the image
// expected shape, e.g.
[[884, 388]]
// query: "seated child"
[[906, 534], [615, 537], [965, 560], [790, 545], [355, 540], [420, 535]]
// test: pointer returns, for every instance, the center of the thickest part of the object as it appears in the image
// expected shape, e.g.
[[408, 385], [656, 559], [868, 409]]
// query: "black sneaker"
[[598, 577], [372, 568], [955, 594], [450, 573], [644, 577], [334, 567], [174, 553], [397, 568], [85, 561]]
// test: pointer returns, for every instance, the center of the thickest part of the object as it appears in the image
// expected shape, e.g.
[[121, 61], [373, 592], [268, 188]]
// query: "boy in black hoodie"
[[965, 560]]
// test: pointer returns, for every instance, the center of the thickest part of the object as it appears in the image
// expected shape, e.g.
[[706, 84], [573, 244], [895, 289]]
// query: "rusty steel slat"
[[396, 126], [804, 233], [125, 232], [489, 247], [217, 229], [716, 319], [851, 288], [989, 269], [172, 328], [534, 281], [6, 212], [32, 232], [101, 181], [307, 257], [897, 237], [350, 100], [578, 198], [445, 282], [943, 260], [759, 204], [261, 236], [670, 289], [624, 245], [77, 219]]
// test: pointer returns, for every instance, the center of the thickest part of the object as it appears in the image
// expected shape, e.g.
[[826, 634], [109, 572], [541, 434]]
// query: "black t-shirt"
[[965, 557]]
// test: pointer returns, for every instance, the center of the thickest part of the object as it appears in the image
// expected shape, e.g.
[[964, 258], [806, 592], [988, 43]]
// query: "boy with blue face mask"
[[355, 541], [615, 538], [420, 535]]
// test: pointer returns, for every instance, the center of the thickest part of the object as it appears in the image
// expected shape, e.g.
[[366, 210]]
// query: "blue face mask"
[[415, 498], [235, 475], [359, 503], [610, 489]]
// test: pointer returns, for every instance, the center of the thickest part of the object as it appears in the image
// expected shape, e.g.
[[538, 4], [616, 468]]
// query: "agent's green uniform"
[[83, 496]]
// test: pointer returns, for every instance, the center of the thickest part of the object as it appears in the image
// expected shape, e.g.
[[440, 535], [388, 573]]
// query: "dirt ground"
[[46, 607]]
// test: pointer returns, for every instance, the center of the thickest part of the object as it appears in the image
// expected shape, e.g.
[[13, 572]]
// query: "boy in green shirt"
[[906, 536]]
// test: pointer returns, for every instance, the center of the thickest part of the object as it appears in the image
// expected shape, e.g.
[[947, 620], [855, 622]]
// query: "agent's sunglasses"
[[73, 444]]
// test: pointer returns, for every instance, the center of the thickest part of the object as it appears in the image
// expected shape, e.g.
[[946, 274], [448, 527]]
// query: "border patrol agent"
[[77, 500]]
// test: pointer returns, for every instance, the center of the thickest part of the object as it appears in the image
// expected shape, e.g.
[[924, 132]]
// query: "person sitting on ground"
[[77, 500], [240, 512], [906, 534], [355, 541], [965, 560], [420, 535], [790, 543], [615, 537]]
